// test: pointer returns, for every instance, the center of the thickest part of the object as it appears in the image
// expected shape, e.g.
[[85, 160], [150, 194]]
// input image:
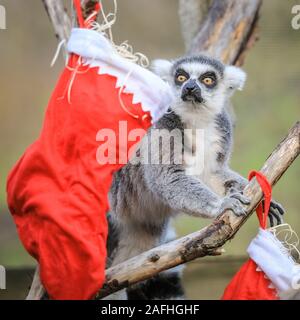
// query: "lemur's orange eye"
[[181, 78], [208, 81]]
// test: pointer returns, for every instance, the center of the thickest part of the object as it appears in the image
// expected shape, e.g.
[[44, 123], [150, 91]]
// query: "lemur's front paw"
[[276, 212], [235, 202]]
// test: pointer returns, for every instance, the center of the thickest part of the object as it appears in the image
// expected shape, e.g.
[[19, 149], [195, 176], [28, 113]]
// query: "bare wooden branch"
[[228, 30], [208, 240], [37, 290], [191, 15], [59, 18]]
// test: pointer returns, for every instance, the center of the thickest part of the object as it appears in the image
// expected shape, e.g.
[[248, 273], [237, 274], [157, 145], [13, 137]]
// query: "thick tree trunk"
[[191, 15], [228, 30]]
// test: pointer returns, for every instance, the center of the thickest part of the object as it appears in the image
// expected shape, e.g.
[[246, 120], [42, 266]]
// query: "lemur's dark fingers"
[[277, 206], [239, 196], [274, 213], [271, 220], [277, 218]]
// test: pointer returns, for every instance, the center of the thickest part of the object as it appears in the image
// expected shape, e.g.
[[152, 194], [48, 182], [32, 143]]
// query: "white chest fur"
[[202, 145]]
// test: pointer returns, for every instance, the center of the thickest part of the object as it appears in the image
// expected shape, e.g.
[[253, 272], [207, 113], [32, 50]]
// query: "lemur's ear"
[[162, 68], [235, 78]]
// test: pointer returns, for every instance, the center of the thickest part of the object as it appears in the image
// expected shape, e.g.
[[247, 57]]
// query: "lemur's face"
[[200, 83], [195, 82]]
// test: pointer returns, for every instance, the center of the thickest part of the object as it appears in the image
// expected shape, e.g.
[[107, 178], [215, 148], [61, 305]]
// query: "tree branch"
[[229, 29], [59, 18], [208, 240], [191, 15], [37, 290]]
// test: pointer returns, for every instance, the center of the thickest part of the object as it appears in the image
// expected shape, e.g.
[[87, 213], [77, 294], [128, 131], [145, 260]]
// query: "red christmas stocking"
[[57, 191], [271, 273]]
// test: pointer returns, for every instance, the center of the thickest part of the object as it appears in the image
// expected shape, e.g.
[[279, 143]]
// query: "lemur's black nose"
[[191, 86], [191, 91]]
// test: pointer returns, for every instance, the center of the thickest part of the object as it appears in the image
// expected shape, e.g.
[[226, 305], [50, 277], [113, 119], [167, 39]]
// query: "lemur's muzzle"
[[191, 92]]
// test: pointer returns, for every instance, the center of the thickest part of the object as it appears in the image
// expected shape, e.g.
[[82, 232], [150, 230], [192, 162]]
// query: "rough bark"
[[228, 30], [37, 290], [59, 18], [191, 15]]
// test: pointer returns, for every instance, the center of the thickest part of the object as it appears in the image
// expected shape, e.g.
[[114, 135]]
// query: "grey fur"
[[201, 59], [145, 197]]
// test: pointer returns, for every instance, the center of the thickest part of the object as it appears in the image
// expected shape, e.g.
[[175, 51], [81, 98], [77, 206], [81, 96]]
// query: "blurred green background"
[[265, 110]]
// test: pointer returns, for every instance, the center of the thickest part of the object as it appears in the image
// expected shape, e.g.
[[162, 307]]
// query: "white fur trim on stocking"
[[147, 88], [276, 262]]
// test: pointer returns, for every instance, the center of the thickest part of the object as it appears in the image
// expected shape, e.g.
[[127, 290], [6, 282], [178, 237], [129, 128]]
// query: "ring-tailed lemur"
[[144, 197]]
